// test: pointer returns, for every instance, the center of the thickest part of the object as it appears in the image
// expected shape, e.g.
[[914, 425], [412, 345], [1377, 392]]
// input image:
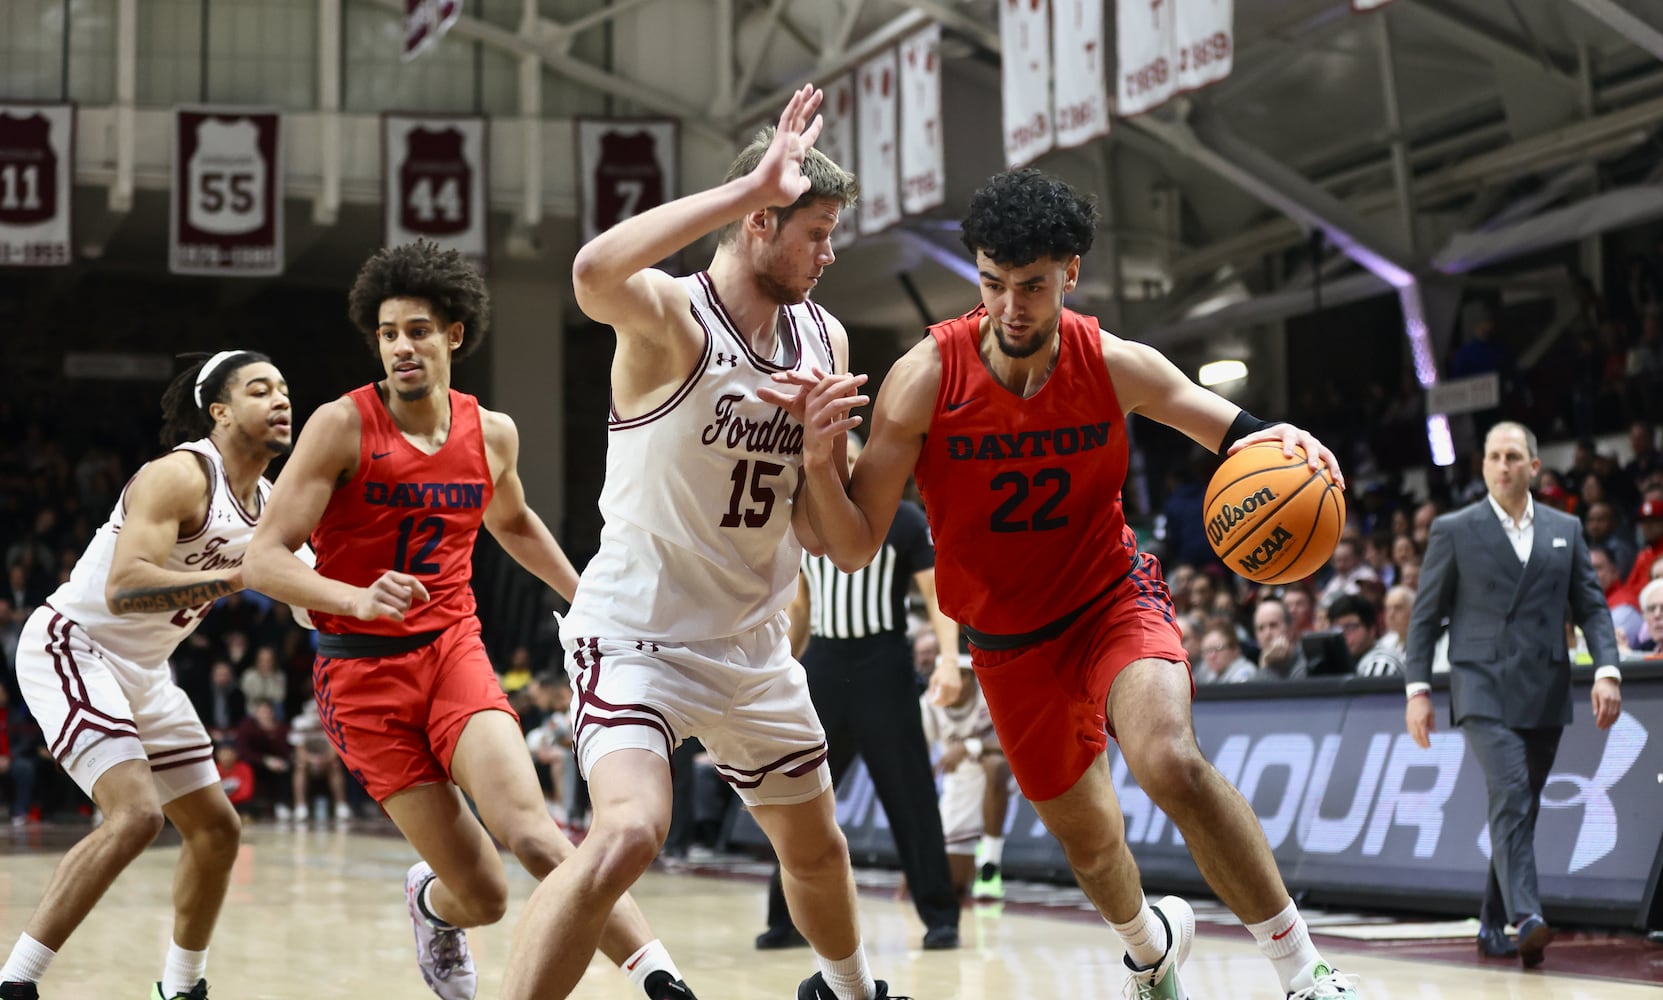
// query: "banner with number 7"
[[625, 166], [434, 177]]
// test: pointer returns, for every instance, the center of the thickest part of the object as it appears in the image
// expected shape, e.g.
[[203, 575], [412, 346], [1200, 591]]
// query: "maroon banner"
[[227, 215], [435, 180], [625, 166], [37, 171], [425, 22]]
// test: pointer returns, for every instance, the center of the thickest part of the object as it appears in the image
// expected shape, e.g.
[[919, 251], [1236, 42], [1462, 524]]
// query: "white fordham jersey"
[[697, 501], [148, 638]]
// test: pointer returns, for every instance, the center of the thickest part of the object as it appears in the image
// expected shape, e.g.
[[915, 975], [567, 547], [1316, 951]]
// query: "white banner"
[[1168, 46], [837, 140], [1204, 34], [37, 162], [923, 162], [625, 166], [1082, 101], [227, 212], [878, 102], [1025, 82], [425, 22], [433, 186]]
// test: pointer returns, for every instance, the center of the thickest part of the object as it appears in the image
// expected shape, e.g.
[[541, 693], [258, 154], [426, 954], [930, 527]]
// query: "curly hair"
[[182, 419], [445, 279], [1019, 216]]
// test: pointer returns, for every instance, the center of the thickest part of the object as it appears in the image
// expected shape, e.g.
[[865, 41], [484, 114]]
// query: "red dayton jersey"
[[1023, 495], [408, 511]]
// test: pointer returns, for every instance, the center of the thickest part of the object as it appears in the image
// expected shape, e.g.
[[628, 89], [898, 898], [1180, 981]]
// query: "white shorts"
[[744, 697], [98, 710], [962, 791]]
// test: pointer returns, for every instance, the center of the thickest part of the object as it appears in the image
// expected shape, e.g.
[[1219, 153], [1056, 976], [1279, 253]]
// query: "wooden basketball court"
[[320, 914]]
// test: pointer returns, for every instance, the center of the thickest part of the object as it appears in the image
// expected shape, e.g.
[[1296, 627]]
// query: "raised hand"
[[780, 174]]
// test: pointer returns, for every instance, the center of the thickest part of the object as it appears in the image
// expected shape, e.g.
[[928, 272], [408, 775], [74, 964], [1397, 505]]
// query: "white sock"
[[28, 961], [1146, 939], [424, 905], [183, 969], [848, 977], [1285, 940], [652, 957], [993, 849]]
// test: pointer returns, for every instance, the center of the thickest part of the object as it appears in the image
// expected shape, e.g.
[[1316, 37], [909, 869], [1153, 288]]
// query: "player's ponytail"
[[186, 400]]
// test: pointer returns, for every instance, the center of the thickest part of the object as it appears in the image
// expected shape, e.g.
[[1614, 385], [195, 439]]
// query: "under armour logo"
[[646, 645], [732, 360], [1598, 835]]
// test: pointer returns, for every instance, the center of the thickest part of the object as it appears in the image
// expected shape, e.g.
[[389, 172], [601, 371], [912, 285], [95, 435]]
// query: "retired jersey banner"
[[923, 162], [434, 182], [37, 163], [1168, 46], [227, 211], [1025, 82], [425, 22], [625, 166], [877, 102], [1082, 99], [1204, 32], [837, 140]]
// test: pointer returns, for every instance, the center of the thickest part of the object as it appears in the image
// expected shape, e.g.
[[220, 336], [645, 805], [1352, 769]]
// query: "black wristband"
[[1244, 424]]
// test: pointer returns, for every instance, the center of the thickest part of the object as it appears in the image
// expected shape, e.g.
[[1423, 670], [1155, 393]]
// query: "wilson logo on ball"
[[1229, 516], [1265, 552]]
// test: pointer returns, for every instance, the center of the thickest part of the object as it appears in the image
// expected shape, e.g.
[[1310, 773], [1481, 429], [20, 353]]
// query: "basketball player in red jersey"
[[392, 482], [1013, 419]]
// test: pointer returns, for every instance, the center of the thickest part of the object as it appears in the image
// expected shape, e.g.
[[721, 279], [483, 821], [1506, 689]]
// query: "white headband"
[[208, 369]]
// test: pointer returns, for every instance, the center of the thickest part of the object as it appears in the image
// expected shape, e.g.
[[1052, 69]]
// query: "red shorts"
[[1048, 698], [395, 719]]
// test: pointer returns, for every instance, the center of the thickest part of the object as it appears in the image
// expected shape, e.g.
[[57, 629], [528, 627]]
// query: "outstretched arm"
[[167, 500], [1149, 384], [325, 457], [512, 522]]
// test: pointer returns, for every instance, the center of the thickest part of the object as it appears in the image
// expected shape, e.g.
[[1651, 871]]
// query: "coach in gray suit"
[[1504, 571]]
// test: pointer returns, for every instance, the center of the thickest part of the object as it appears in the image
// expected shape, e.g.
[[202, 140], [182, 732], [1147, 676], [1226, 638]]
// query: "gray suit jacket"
[[1507, 648]]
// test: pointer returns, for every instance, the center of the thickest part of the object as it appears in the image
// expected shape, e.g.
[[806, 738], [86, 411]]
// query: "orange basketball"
[[1269, 517]]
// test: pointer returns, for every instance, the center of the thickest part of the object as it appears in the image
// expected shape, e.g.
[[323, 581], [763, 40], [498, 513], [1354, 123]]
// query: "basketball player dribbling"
[[679, 629], [92, 663], [392, 482], [1012, 417]]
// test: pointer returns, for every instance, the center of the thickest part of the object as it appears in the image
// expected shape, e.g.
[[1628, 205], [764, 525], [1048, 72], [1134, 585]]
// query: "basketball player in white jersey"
[[92, 663], [975, 793], [678, 627]]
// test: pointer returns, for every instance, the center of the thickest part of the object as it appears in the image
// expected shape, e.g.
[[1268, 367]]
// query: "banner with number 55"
[[227, 214], [434, 181], [625, 166]]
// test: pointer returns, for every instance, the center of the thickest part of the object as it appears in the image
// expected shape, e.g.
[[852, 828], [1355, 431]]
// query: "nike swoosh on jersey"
[[380, 454], [963, 402]]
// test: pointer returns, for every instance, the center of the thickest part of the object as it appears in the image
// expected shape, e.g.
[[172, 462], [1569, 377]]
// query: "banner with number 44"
[[434, 181]]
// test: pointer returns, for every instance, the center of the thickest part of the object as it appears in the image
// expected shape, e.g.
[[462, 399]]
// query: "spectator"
[[1651, 607], [1355, 618], [264, 743], [1625, 614], [314, 757], [1301, 610], [1642, 441], [1400, 601], [550, 741], [223, 706], [21, 750], [518, 674], [236, 777], [1651, 534], [264, 681], [1222, 662], [1186, 535], [975, 788], [1600, 527], [1422, 525], [1280, 655]]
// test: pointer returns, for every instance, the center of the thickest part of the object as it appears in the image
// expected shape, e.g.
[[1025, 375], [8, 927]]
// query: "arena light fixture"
[[1219, 372]]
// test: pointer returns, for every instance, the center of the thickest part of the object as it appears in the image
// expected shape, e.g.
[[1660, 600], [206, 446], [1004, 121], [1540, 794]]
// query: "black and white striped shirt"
[[870, 601]]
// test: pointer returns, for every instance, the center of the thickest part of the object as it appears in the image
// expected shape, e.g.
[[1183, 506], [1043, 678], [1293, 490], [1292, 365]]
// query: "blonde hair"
[[826, 180]]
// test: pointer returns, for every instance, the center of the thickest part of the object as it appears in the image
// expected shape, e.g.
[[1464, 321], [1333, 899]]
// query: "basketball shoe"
[[197, 992], [1160, 981], [989, 884], [19, 991], [441, 952], [815, 988], [1323, 982], [660, 986]]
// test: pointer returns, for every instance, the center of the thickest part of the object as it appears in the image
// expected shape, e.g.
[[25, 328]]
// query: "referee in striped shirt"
[[861, 677]]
